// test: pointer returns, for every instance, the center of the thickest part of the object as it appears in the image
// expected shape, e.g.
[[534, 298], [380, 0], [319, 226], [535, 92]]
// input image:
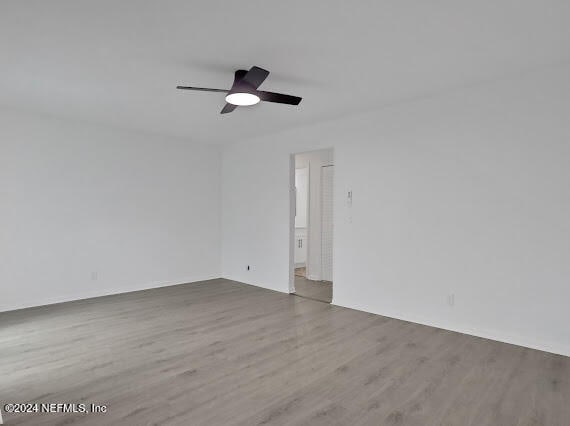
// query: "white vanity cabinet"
[[300, 247]]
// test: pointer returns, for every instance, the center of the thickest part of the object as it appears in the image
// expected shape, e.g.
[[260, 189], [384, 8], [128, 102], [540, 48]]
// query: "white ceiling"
[[118, 62]]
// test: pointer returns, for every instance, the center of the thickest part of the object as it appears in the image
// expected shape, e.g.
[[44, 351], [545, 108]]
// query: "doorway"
[[312, 225]]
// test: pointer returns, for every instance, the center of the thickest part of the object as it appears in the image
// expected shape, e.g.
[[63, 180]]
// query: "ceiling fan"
[[244, 91]]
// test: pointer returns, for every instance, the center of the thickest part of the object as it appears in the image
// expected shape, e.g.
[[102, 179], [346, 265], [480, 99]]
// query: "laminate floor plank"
[[316, 290], [220, 352]]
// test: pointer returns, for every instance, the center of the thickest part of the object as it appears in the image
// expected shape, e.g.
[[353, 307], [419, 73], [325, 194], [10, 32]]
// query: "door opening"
[[312, 180]]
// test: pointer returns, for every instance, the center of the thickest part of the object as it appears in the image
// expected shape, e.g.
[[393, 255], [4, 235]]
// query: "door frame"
[[292, 211], [322, 263], [292, 205], [292, 202]]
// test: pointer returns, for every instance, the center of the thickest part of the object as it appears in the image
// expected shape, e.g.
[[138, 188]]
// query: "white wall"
[[314, 160], [139, 211], [466, 193]]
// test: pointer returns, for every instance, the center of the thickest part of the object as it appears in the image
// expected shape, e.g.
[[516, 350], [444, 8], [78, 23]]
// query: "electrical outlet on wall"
[[451, 299]]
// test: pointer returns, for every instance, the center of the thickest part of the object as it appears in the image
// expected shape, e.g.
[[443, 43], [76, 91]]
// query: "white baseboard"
[[256, 283], [525, 341], [518, 340], [103, 292]]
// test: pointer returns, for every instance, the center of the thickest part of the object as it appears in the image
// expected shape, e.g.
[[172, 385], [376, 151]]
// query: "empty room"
[[285, 213]]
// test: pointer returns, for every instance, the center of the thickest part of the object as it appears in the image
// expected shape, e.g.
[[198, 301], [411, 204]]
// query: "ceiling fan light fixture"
[[242, 99], [244, 91]]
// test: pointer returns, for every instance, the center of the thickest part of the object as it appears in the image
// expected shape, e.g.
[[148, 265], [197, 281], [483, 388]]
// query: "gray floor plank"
[[317, 290], [220, 352]]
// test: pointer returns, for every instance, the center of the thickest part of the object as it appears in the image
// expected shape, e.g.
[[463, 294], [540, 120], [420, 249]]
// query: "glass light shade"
[[242, 99]]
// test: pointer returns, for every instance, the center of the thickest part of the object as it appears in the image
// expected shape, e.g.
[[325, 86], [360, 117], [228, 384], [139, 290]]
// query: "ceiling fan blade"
[[228, 108], [255, 76], [202, 89], [279, 98]]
